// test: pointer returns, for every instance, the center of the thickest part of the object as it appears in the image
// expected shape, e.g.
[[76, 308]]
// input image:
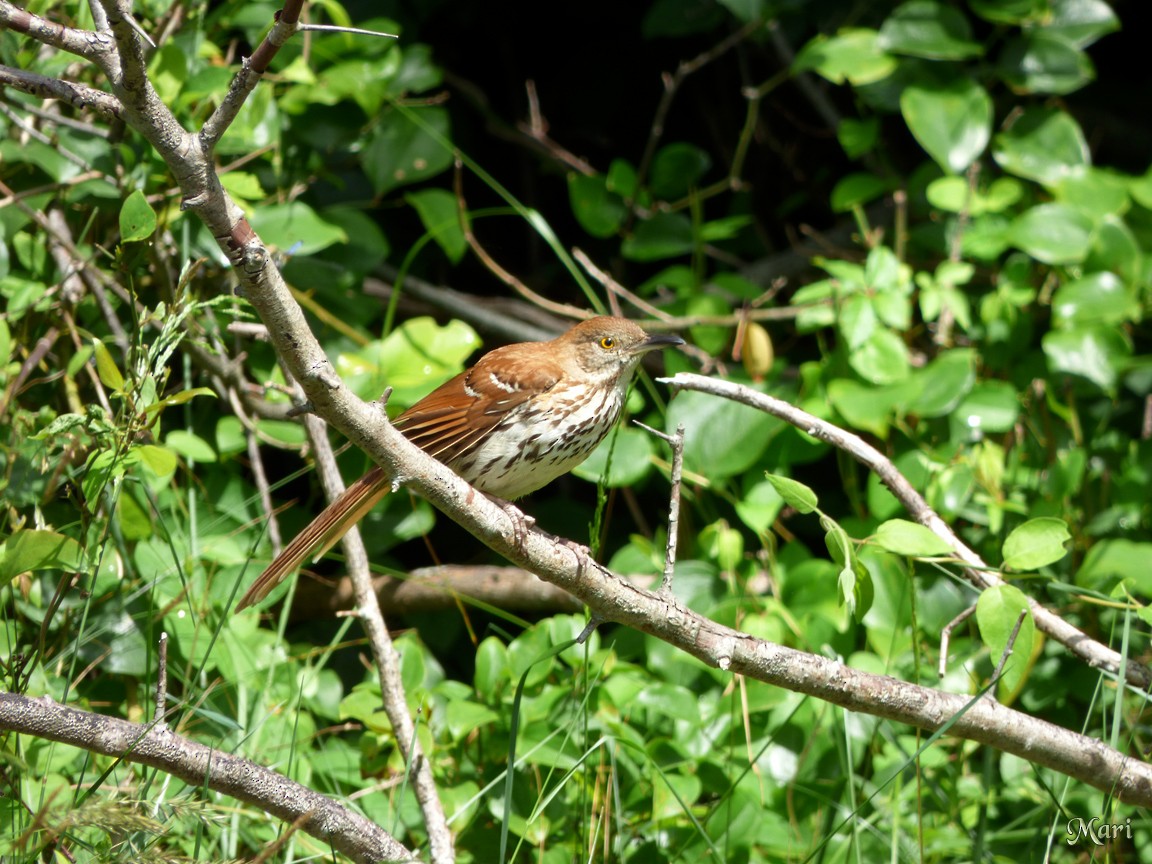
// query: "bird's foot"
[[522, 523]]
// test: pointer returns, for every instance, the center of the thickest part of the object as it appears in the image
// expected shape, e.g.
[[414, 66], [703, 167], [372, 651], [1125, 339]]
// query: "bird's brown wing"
[[457, 416]]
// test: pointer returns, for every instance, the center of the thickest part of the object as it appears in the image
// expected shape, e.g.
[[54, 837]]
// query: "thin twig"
[[676, 441], [161, 682], [946, 637], [1006, 653]]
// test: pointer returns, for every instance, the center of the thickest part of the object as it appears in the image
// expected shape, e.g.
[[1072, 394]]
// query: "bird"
[[522, 416]]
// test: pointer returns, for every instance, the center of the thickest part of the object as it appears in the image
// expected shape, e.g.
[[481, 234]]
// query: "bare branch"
[[204, 767], [976, 570], [83, 43], [79, 96]]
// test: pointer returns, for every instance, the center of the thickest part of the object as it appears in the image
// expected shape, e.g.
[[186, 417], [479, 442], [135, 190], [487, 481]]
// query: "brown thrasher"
[[518, 419]]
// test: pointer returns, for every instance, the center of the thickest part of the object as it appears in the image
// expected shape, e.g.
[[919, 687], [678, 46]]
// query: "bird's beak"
[[657, 340]]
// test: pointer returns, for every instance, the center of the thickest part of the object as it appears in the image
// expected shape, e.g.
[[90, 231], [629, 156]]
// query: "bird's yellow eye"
[[608, 342]]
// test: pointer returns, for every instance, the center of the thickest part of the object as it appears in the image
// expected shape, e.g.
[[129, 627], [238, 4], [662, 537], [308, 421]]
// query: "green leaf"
[[992, 406], [1080, 22], [759, 506], [415, 357], [1043, 62], [858, 137], [29, 550], [923, 28], [190, 446], [855, 190], [910, 539], [852, 55], [406, 150], [665, 235], [676, 169], [722, 438], [1116, 559], [944, 383], [491, 673], [1094, 192], [1099, 298], [179, 399], [1008, 11], [137, 218], [439, 212], [952, 121], [599, 211], [1035, 544], [161, 461], [295, 226], [1053, 233], [997, 611], [795, 494], [1042, 144], [1097, 353], [882, 358], [953, 194], [106, 367]]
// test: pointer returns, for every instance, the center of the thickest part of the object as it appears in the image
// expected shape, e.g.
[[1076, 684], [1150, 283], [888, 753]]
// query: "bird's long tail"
[[321, 534]]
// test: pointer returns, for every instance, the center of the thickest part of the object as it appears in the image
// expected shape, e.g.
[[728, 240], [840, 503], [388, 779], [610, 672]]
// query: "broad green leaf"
[[952, 121], [1042, 62], [416, 357], [297, 227], [759, 506], [910, 539], [924, 28], [29, 550], [160, 460], [1099, 298], [882, 358], [1035, 544], [190, 446], [990, 407], [864, 406], [1095, 192], [1053, 233], [997, 611], [491, 674], [1117, 559], [1009, 11], [407, 149], [858, 137], [664, 235], [944, 383], [852, 55], [1098, 353], [1042, 144], [721, 438], [795, 494], [440, 213], [953, 194], [137, 218], [599, 211], [106, 368], [1080, 22], [855, 190], [677, 168]]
